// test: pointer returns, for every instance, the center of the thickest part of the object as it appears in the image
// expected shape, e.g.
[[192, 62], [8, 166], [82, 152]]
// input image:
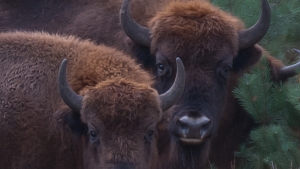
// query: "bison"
[[110, 113], [215, 48], [207, 123]]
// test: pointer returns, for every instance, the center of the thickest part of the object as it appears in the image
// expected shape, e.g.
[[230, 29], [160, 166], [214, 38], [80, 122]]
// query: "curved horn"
[[170, 97], [297, 51], [138, 33], [254, 34], [289, 71], [71, 99]]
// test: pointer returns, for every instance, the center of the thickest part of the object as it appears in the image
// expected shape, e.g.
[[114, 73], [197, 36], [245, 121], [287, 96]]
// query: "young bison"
[[111, 114]]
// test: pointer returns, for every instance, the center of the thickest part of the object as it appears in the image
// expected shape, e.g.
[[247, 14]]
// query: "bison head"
[[214, 47], [120, 117]]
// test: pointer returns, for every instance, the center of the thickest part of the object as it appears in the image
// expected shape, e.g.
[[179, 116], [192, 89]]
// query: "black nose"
[[194, 130]]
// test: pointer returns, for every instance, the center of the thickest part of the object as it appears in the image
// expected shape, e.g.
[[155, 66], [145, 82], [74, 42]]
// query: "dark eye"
[[93, 136], [150, 133], [223, 73], [149, 136], [227, 69], [160, 69]]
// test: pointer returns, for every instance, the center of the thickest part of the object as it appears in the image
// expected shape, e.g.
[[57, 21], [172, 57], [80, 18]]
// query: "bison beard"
[[112, 115], [183, 156]]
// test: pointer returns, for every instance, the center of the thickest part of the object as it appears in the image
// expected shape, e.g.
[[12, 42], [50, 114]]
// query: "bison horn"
[[297, 51], [170, 97], [289, 71], [71, 99], [138, 33], [254, 34]]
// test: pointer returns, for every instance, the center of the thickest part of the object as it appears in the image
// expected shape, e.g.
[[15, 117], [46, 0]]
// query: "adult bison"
[[215, 47], [207, 122], [111, 111]]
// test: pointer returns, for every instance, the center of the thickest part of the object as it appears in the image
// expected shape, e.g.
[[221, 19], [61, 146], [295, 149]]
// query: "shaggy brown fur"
[[90, 19], [114, 127], [205, 38]]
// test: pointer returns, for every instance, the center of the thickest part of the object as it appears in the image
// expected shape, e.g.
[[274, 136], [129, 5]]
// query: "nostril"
[[193, 130], [183, 128], [194, 127], [183, 125], [205, 127]]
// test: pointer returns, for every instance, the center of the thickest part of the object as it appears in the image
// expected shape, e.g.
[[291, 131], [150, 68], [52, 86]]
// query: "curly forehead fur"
[[197, 26], [123, 102]]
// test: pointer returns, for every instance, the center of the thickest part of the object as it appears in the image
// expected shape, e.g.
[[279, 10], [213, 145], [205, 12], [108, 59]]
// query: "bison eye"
[[160, 69], [163, 70], [149, 136], [93, 136], [223, 73], [227, 69], [150, 133]]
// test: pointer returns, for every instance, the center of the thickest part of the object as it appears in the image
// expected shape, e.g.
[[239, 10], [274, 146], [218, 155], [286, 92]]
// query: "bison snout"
[[194, 130]]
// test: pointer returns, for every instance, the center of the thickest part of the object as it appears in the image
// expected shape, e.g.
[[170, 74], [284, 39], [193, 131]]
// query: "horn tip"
[[296, 50], [65, 60], [64, 63], [180, 66], [62, 68], [178, 60]]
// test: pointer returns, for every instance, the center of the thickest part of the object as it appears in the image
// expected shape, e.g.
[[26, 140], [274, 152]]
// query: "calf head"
[[120, 118], [215, 48], [120, 135]]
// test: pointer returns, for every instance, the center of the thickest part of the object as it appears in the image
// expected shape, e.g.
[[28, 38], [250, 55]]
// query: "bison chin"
[[187, 155]]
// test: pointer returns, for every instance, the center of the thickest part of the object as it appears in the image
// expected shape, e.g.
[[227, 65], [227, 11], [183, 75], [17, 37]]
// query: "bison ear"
[[246, 58], [67, 117], [279, 71]]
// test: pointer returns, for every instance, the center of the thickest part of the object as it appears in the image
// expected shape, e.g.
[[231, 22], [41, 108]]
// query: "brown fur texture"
[[202, 35], [114, 127], [97, 20], [198, 31], [206, 39]]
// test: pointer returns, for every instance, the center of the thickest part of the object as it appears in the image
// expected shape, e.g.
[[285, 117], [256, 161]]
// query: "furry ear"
[[279, 71], [246, 58], [71, 120], [276, 66]]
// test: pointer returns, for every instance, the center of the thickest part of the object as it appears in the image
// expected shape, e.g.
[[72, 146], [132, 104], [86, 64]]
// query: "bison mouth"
[[191, 141]]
